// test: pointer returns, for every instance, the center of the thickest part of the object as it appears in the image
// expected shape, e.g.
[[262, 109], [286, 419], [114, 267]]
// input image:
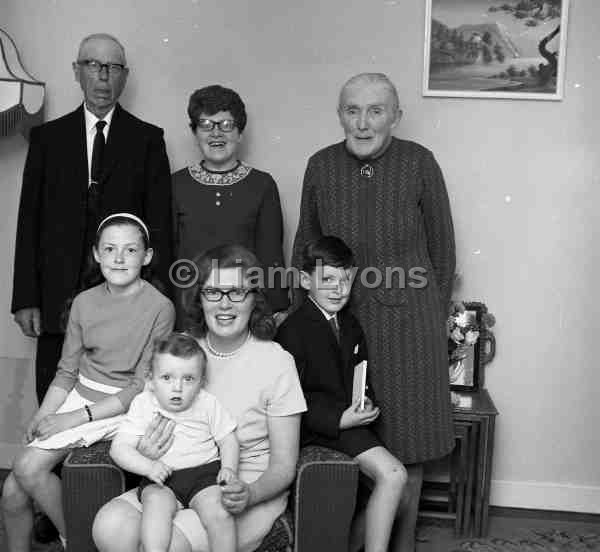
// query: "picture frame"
[[501, 49], [466, 373]]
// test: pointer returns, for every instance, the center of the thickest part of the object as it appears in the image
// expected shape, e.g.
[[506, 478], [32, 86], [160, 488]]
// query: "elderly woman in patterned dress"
[[222, 200], [386, 198]]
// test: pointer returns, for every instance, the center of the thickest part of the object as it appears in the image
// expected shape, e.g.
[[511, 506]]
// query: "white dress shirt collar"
[[90, 132], [91, 120]]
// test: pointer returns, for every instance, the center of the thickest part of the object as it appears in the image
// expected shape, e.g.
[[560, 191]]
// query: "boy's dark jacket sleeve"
[[324, 408]]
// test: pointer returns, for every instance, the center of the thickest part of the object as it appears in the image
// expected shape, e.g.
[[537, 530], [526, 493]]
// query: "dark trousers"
[[49, 349]]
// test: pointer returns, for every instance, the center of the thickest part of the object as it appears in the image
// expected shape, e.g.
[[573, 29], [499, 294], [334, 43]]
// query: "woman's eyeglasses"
[[226, 125], [236, 295]]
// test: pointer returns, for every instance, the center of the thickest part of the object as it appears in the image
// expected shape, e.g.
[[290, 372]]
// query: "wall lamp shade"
[[21, 96]]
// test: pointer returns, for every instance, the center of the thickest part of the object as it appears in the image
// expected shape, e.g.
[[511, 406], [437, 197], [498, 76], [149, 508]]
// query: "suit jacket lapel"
[[346, 349], [116, 143], [79, 149], [316, 316]]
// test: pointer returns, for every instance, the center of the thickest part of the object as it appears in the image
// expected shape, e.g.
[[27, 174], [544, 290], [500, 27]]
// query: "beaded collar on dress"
[[225, 178]]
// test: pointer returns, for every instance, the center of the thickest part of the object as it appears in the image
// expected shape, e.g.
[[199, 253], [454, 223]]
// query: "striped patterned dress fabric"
[[395, 215]]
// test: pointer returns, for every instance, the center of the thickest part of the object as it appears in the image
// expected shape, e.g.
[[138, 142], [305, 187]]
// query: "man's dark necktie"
[[334, 328], [98, 153], [94, 191]]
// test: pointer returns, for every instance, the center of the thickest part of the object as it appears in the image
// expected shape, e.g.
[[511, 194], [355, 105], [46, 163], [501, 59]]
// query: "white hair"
[[102, 36], [371, 78]]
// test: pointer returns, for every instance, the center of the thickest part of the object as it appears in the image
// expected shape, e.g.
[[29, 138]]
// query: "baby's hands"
[[226, 476], [353, 416], [159, 472]]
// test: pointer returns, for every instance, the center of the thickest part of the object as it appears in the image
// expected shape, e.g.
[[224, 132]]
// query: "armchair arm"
[[89, 480], [324, 500], [321, 505]]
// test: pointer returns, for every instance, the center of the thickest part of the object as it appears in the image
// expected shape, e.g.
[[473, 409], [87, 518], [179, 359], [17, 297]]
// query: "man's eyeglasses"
[[226, 125], [236, 295], [95, 67]]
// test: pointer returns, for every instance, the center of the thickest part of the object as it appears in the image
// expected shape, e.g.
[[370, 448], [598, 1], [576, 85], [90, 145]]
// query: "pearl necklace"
[[219, 354]]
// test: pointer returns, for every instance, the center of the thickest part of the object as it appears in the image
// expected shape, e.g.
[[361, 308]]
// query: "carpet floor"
[[506, 535], [514, 533]]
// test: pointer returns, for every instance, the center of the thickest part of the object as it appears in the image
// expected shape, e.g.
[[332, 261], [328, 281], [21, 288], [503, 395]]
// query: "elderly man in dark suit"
[[386, 198], [97, 160]]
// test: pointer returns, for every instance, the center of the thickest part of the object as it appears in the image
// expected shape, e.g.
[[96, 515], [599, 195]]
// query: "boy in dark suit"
[[327, 342]]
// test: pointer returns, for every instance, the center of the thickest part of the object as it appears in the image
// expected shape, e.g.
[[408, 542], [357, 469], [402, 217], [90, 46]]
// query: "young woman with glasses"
[[220, 199], [256, 381]]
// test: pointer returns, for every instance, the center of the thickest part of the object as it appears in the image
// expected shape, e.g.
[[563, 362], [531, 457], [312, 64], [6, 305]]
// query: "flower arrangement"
[[463, 332]]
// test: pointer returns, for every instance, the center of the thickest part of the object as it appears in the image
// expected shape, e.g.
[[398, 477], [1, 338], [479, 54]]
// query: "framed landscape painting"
[[495, 48]]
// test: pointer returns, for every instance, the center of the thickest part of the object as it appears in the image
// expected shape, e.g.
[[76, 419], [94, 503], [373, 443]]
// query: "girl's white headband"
[[128, 216]]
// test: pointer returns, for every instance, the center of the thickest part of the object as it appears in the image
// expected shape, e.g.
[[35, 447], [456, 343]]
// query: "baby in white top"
[[188, 473]]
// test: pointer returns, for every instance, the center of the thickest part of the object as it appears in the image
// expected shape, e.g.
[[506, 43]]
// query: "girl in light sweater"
[[106, 352]]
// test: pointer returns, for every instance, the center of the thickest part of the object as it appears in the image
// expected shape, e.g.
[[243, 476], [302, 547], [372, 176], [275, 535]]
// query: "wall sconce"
[[21, 96]]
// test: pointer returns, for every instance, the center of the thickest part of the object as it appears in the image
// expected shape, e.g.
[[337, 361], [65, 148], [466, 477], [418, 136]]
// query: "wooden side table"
[[478, 408], [466, 497], [463, 516]]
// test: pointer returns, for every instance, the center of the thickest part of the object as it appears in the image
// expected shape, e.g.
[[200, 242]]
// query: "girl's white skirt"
[[83, 435]]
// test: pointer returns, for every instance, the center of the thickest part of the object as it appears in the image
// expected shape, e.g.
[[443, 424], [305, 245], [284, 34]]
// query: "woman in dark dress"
[[220, 199]]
